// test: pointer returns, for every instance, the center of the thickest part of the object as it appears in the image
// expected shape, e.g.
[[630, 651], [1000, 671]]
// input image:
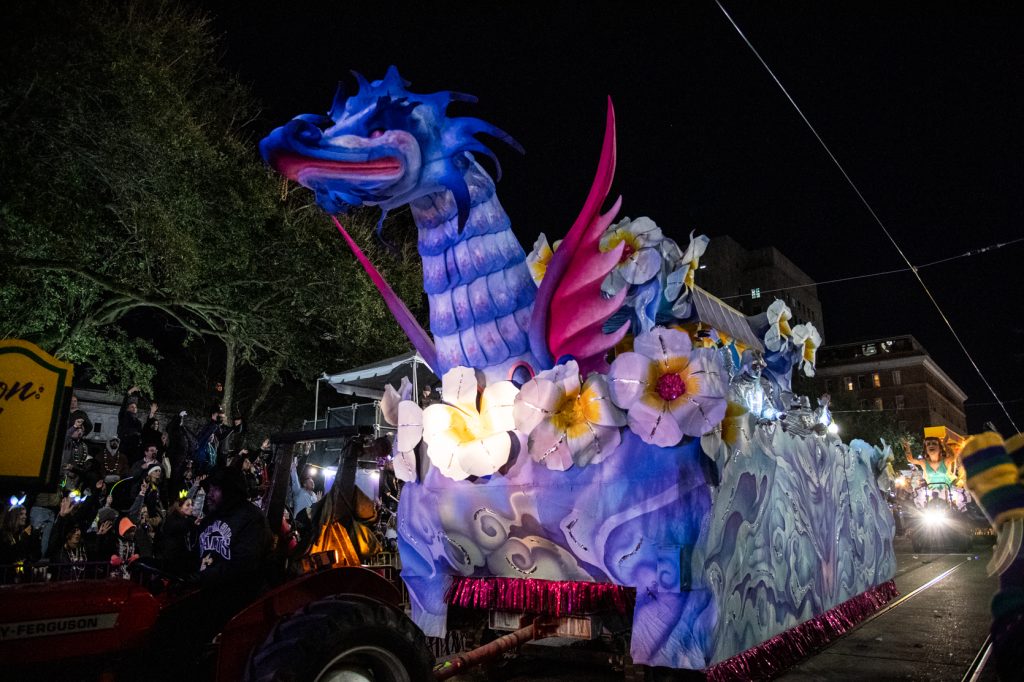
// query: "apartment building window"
[[899, 402], [862, 381], [848, 381], [896, 378], [879, 405], [876, 380]]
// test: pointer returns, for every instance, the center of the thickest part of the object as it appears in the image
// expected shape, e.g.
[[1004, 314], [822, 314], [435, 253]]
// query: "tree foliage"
[[134, 209]]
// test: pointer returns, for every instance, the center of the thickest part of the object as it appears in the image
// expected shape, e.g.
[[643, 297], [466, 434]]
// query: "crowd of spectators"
[[185, 499]]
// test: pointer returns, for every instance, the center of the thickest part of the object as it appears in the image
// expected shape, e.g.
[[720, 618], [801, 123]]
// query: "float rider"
[[938, 466]]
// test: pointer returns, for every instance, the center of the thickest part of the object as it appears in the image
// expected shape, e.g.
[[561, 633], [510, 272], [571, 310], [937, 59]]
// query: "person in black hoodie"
[[152, 434], [129, 427], [178, 545], [234, 544], [79, 413]]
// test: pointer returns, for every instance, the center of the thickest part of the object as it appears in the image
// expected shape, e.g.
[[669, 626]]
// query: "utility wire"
[[967, 254], [874, 215]]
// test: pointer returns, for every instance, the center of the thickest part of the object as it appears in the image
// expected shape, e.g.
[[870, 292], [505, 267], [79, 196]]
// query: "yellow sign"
[[33, 388]]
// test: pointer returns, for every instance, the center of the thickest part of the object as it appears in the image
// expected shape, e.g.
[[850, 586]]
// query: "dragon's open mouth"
[[301, 168]]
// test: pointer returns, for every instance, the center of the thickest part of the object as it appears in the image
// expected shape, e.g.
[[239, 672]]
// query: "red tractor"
[[338, 622]]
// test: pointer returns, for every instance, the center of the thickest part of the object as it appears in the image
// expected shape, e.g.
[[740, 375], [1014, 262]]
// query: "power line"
[[883, 273], [870, 210]]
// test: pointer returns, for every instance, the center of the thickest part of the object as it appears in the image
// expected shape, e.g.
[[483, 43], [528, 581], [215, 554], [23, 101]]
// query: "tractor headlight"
[[934, 517]]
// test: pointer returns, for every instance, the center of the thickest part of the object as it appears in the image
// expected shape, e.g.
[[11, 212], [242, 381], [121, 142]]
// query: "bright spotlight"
[[934, 517], [833, 428]]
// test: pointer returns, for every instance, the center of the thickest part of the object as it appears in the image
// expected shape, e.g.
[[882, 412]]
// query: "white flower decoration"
[[680, 281], [691, 257], [464, 439], [807, 340], [400, 411], [389, 403], [568, 421], [641, 258], [409, 435], [540, 257], [779, 331]]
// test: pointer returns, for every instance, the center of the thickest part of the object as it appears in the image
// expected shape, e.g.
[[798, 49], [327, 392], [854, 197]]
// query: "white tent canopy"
[[369, 380]]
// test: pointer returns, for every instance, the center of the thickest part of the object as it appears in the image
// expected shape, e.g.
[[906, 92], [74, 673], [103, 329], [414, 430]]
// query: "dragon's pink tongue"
[[295, 167]]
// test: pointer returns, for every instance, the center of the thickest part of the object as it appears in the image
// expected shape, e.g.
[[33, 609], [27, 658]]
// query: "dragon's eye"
[[377, 132]]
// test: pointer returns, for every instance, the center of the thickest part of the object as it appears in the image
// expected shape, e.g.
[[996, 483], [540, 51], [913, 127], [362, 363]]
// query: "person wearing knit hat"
[[994, 476], [124, 554], [106, 514], [148, 489], [125, 528]]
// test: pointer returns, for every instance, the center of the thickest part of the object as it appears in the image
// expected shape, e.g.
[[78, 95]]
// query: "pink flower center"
[[670, 386], [627, 252]]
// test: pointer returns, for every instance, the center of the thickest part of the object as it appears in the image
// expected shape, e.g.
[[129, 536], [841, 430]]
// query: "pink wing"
[[570, 311], [421, 341]]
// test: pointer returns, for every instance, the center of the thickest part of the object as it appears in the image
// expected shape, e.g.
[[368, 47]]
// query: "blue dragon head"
[[383, 146]]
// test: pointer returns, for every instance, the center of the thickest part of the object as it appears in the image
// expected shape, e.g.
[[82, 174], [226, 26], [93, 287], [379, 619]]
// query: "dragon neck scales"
[[476, 280]]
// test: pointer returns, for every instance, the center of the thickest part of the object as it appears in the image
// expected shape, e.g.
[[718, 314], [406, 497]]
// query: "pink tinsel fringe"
[[774, 655], [551, 597]]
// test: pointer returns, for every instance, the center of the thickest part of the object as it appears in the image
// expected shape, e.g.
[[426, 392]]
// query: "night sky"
[[921, 103]]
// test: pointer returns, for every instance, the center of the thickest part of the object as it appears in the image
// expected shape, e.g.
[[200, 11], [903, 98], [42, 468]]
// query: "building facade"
[[747, 279], [894, 374]]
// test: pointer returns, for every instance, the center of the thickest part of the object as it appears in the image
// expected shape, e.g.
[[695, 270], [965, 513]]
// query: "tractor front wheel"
[[346, 637]]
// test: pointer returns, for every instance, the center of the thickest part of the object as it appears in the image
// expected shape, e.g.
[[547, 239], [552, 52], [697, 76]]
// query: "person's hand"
[[153, 407], [79, 423], [101, 484], [66, 505], [143, 488], [237, 421], [201, 478], [105, 527], [183, 414], [295, 464], [134, 389], [319, 496], [110, 500]]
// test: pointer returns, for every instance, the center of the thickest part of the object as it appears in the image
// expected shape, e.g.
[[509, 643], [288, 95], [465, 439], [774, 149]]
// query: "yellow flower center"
[[569, 413], [688, 279], [809, 351], [784, 327], [632, 244]]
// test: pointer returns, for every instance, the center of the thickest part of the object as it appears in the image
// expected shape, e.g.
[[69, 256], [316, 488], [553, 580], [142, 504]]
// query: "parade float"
[[613, 444]]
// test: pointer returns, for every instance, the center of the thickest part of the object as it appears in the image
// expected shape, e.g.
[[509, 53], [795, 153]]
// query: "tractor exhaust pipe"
[[539, 629]]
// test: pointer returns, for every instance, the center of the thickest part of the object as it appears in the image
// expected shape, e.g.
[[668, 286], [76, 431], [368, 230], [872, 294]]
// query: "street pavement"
[[933, 635]]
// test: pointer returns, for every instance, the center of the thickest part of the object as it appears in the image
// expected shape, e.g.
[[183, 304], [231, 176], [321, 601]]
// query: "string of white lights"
[[870, 210], [883, 273]]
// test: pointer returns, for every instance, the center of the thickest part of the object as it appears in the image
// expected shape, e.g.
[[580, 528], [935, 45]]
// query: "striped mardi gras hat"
[[1015, 449], [994, 470]]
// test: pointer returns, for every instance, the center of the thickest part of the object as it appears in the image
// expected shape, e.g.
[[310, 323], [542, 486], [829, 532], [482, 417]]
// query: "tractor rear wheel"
[[340, 639]]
